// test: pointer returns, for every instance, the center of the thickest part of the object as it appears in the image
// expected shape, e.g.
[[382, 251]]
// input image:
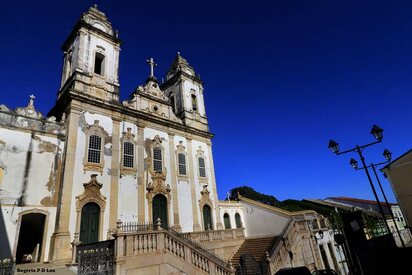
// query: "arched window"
[[128, 155], [207, 218], [95, 147], [99, 64], [226, 220], [182, 163], [157, 159], [172, 101], [238, 220], [202, 167], [194, 102]]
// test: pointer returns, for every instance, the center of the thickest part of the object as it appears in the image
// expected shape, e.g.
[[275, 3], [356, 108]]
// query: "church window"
[[128, 158], [99, 63], [128, 145], [194, 102], [238, 220], [157, 160], [202, 167], [95, 147], [182, 163], [226, 220]]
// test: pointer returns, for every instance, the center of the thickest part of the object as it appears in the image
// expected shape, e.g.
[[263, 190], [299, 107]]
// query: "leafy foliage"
[[250, 193]]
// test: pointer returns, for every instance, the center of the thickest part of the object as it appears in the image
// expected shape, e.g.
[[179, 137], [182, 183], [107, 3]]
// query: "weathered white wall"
[[231, 208], [41, 179], [261, 222]]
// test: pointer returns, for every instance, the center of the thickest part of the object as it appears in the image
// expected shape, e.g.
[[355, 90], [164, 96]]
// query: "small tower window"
[[95, 147], [194, 103], [128, 157], [172, 101], [157, 160], [182, 163], [202, 168], [98, 63]]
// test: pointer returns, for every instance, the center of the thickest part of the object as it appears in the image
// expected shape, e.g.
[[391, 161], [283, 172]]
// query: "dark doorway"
[[160, 209], [207, 217], [29, 245], [89, 226]]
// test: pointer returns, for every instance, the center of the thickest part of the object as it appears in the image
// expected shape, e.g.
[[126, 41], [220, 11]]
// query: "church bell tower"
[[91, 58], [184, 88]]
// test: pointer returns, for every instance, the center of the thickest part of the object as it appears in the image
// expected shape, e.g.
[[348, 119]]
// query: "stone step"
[[257, 247]]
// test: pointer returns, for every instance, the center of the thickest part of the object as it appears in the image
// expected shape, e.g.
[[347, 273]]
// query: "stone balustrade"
[[216, 235], [159, 241]]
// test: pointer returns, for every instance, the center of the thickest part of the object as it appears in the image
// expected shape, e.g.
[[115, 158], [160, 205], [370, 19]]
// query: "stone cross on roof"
[[152, 65]]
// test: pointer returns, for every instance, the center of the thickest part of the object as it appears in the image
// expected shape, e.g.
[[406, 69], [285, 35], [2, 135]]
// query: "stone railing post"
[[212, 268], [120, 245], [119, 225], [188, 254], [161, 239], [209, 233], [129, 244], [159, 224], [75, 243]]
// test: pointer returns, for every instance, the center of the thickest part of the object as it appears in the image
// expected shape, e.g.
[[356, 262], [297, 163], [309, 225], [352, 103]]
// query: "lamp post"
[[377, 132], [388, 156]]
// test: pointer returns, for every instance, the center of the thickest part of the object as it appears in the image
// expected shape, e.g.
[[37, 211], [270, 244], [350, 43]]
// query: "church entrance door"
[[29, 245], [160, 209], [207, 217], [89, 226]]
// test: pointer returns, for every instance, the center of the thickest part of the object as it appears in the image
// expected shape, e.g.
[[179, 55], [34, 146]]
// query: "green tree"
[[250, 193]]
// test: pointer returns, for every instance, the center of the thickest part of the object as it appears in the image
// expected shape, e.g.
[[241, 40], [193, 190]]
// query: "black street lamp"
[[377, 132], [388, 156]]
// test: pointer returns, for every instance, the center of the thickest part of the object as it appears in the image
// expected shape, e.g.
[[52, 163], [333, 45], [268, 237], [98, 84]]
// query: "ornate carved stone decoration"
[[91, 193], [152, 88], [29, 110], [205, 198], [96, 130], [158, 184]]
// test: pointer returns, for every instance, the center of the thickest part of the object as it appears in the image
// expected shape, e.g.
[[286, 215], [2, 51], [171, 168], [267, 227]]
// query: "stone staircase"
[[256, 247]]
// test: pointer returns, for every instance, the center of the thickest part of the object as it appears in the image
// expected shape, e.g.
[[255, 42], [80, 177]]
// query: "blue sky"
[[281, 78]]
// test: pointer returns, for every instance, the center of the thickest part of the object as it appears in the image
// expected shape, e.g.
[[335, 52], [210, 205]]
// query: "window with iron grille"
[[128, 155], [95, 147], [157, 160], [182, 163], [202, 168]]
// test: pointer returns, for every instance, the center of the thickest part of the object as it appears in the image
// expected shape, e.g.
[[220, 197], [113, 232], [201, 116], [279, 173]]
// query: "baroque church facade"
[[95, 162]]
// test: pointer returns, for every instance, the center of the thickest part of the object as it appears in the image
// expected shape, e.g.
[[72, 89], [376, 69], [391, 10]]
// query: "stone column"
[[80, 53], [176, 221], [141, 190], [60, 242], [196, 225], [114, 174], [219, 224]]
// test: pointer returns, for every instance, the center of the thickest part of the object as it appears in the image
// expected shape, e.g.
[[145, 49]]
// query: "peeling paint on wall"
[[53, 184]]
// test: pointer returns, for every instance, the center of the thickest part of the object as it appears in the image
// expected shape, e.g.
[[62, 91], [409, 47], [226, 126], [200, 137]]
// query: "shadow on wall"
[[5, 251]]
